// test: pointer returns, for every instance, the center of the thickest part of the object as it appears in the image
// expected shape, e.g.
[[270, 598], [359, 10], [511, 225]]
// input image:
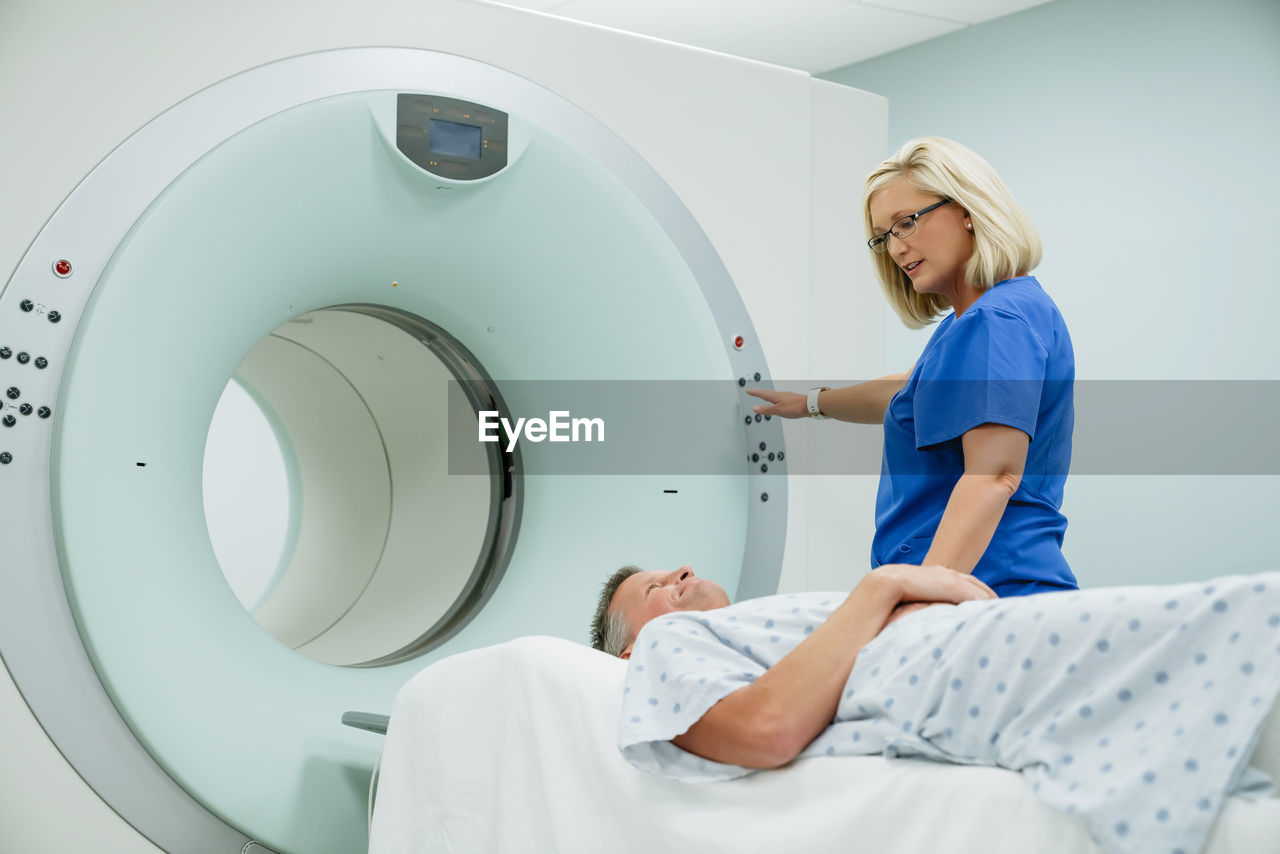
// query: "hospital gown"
[[1135, 709]]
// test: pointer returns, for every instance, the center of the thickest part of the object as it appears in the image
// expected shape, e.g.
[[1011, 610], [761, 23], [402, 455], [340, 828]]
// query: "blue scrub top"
[[1006, 360]]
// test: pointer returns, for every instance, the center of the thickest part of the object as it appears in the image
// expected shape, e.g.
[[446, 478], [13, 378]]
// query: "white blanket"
[[513, 748]]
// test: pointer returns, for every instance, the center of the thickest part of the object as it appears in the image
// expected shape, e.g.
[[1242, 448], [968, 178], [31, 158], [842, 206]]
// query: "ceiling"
[[811, 35]]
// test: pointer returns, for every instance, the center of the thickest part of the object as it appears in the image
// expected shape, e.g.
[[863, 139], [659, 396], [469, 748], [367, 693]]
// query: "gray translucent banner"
[[686, 427]]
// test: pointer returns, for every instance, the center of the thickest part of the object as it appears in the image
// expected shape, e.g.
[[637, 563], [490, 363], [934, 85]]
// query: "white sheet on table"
[[513, 748]]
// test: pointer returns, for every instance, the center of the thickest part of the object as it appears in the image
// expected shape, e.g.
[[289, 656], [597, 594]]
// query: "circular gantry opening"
[[327, 488]]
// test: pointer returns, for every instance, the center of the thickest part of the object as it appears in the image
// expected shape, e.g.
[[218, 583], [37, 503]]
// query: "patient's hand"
[[908, 608]]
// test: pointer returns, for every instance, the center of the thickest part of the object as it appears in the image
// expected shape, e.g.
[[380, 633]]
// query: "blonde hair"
[[1005, 243]]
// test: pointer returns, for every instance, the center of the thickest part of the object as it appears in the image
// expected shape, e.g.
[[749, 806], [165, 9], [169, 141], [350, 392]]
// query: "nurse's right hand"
[[932, 583], [785, 404]]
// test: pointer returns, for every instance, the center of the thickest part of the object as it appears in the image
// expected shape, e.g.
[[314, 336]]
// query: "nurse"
[[977, 434]]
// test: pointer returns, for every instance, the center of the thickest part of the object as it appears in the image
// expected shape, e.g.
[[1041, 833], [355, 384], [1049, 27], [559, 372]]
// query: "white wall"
[[1141, 136]]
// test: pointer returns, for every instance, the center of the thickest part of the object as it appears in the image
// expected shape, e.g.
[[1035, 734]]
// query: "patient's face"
[[650, 594]]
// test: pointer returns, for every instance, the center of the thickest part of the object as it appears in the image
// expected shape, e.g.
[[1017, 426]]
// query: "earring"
[[969, 226]]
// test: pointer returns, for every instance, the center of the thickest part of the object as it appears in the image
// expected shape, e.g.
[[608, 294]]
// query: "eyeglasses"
[[902, 228]]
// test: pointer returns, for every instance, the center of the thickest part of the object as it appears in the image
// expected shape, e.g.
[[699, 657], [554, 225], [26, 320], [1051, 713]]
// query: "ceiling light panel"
[[713, 24]]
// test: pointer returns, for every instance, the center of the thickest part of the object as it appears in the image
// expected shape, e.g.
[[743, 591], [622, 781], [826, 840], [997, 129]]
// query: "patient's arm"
[[907, 608], [767, 723]]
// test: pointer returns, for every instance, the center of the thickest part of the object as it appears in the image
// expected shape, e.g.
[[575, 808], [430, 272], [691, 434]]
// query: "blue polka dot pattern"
[[1073, 690]]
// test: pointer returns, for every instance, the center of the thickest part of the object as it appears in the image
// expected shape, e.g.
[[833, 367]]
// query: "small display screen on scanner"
[[454, 140]]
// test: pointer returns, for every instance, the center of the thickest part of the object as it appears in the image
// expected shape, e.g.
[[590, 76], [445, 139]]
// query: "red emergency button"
[[62, 267], [738, 342]]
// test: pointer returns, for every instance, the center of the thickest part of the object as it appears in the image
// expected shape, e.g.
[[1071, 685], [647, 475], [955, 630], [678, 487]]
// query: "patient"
[[764, 727], [1133, 708]]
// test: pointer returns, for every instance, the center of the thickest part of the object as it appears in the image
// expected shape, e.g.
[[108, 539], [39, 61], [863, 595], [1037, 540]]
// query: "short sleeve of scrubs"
[[989, 367]]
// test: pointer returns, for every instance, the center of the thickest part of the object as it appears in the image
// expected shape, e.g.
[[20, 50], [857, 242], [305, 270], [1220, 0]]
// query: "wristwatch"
[[811, 402]]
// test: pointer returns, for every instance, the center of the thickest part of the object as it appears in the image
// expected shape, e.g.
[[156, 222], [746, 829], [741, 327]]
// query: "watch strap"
[[811, 402]]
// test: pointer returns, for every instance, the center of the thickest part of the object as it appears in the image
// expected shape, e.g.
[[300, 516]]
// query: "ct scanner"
[[370, 245]]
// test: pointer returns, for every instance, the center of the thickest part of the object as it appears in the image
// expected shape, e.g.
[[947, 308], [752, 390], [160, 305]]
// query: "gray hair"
[[609, 630]]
